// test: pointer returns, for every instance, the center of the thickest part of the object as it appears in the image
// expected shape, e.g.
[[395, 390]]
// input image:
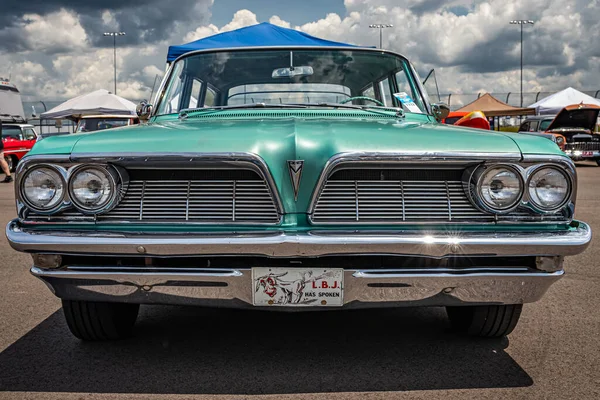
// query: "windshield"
[[97, 124], [236, 78], [545, 124], [13, 132]]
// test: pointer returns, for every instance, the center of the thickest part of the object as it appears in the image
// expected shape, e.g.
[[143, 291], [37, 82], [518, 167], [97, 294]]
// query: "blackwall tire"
[[89, 320], [485, 321]]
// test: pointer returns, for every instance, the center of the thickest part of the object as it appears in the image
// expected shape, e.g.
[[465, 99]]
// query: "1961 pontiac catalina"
[[296, 179]]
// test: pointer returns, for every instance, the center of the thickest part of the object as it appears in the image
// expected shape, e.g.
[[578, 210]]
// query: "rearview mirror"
[[144, 110], [440, 111], [290, 72]]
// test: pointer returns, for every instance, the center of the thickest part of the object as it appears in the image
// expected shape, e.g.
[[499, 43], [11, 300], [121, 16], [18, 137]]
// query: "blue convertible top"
[[264, 34]]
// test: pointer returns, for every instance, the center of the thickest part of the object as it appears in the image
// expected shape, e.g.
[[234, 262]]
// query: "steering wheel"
[[349, 99]]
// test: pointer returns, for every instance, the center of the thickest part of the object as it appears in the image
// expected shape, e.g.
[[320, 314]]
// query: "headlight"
[[42, 188], [549, 188], [92, 188], [500, 188]]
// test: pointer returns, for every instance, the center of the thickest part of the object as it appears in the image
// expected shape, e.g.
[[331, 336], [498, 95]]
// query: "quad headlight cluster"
[[501, 188], [92, 189]]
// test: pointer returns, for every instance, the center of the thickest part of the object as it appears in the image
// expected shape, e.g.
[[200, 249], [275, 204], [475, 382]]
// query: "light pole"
[[380, 27], [114, 35], [522, 22]]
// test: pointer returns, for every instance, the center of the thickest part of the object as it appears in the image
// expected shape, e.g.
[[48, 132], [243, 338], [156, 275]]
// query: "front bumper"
[[577, 155], [362, 287], [315, 243]]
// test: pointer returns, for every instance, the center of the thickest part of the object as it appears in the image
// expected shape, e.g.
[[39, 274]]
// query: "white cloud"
[[240, 19], [469, 43], [276, 20], [201, 32], [58, 31]]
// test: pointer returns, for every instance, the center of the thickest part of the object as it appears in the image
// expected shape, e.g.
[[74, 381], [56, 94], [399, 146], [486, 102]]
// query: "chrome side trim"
[[362, 288], [305, 244]]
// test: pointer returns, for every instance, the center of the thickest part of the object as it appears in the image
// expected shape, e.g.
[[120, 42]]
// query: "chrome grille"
[[405, 201], [583, 146], [197, 200], [244, 200]]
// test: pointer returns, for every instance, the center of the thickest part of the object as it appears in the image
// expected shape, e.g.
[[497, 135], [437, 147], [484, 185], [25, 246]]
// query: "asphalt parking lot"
[[407, 353]]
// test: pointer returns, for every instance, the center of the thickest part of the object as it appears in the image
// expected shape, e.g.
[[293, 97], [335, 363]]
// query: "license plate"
[[298, 287], [587, 153]]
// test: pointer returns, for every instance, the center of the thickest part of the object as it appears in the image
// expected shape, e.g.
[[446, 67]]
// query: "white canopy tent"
[[98, 102], [557, 101]]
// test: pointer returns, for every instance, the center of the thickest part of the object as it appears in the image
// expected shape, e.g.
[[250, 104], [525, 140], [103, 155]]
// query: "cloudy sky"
[[54, 49]]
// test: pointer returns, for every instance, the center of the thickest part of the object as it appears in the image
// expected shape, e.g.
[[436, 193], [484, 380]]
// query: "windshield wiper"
[[184, 113], [399, 112]]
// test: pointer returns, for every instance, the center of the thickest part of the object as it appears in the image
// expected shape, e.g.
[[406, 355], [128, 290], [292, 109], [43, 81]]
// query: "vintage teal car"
[[296, 178]]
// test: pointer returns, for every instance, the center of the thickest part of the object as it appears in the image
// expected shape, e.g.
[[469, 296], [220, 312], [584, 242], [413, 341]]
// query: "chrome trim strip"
[[305, 244], [362, 288]]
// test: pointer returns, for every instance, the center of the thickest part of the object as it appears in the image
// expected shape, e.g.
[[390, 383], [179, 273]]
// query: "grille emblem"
[[295, 168]]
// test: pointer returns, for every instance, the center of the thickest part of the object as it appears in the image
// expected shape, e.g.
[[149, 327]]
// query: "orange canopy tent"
[[492, 107]]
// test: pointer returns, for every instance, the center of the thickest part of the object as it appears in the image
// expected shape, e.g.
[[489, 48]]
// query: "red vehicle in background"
[[18, 139], [454, 116], [470, 119]]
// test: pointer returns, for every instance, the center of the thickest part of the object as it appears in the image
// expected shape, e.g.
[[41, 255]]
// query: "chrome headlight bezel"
[[115, 178], [472, 181], [474, 185], [27, 202], [530, 199]]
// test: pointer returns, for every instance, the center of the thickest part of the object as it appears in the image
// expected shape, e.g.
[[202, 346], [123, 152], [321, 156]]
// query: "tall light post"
[[114, 35], [381, 27], [522, 22]]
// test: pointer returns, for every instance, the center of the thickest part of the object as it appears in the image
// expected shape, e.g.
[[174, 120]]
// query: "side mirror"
[[440, 111], [144, 110]]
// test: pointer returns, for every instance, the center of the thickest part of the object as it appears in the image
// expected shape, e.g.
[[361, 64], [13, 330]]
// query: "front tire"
[[91, 320], [485, 321], [598, 162]]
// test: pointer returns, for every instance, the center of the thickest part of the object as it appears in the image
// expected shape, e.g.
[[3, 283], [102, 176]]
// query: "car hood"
[[277, 140], [576, 116]]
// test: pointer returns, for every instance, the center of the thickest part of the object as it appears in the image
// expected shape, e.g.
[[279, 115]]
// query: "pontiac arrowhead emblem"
[[295, 167]]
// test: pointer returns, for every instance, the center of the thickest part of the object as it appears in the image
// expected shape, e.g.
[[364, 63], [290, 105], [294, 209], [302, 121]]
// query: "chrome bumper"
[[578, 155], [362, 289], [304, 244]]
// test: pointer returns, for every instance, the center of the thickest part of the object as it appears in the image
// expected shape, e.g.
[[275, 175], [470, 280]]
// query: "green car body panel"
[[278, 136]]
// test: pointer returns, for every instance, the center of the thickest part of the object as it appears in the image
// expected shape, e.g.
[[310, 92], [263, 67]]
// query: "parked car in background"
[[537, 125], [572, 129], [18, 140], [91, 123], [360, 200]]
